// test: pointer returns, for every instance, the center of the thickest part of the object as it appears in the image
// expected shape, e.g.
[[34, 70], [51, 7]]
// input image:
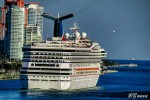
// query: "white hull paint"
[[74, 83]]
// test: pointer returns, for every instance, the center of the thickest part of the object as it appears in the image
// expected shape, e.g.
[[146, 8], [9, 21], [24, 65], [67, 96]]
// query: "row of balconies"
[[62, 60], [63, 57], [61, 54]]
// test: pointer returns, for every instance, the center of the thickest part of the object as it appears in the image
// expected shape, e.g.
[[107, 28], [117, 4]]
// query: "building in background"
[[19, 25], [32, 34], [15, 32], [1, 23], [33, 16], [2, 30]]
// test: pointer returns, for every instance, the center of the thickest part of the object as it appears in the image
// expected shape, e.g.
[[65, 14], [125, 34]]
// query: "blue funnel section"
[[61, 29], [58, 28]]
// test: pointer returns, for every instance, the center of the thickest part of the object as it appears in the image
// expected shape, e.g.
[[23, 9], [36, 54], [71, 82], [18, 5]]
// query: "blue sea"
[[129, 83]]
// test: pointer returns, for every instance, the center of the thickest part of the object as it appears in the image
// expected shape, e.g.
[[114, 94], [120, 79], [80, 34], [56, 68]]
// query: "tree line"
[[107, 62], [9, 66]]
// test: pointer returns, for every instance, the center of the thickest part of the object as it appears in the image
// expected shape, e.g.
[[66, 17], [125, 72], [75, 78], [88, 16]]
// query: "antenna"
[[58, 15], [75, 27], [58, 29]]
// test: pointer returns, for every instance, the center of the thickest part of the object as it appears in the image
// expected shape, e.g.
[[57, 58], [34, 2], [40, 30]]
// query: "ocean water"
[[129, 83]]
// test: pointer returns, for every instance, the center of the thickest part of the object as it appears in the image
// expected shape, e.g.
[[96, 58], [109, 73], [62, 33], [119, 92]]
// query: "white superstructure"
[[70, 62]]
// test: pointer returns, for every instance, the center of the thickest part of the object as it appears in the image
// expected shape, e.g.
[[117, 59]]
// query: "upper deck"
[[86, 43], [74, 43]]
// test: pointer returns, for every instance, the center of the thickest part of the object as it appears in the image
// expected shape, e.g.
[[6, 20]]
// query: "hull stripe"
[[84, 75]]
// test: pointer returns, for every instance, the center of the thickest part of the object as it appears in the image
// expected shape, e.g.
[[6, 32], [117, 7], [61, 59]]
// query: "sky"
[[121, 27]]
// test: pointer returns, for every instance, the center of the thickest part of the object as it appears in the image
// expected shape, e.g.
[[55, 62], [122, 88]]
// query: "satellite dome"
[[67, 35], [83, 35], [77, 34]]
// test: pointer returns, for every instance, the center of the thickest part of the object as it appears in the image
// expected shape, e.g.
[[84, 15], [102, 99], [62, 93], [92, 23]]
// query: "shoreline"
[[9, 79], [123, 65], [5, 77]]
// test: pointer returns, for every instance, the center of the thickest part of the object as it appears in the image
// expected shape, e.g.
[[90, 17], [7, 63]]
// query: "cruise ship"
[[66, 62]]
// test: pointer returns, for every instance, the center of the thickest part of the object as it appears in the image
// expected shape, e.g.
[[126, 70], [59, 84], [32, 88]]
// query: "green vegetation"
[[107, 62], [9, 69]]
